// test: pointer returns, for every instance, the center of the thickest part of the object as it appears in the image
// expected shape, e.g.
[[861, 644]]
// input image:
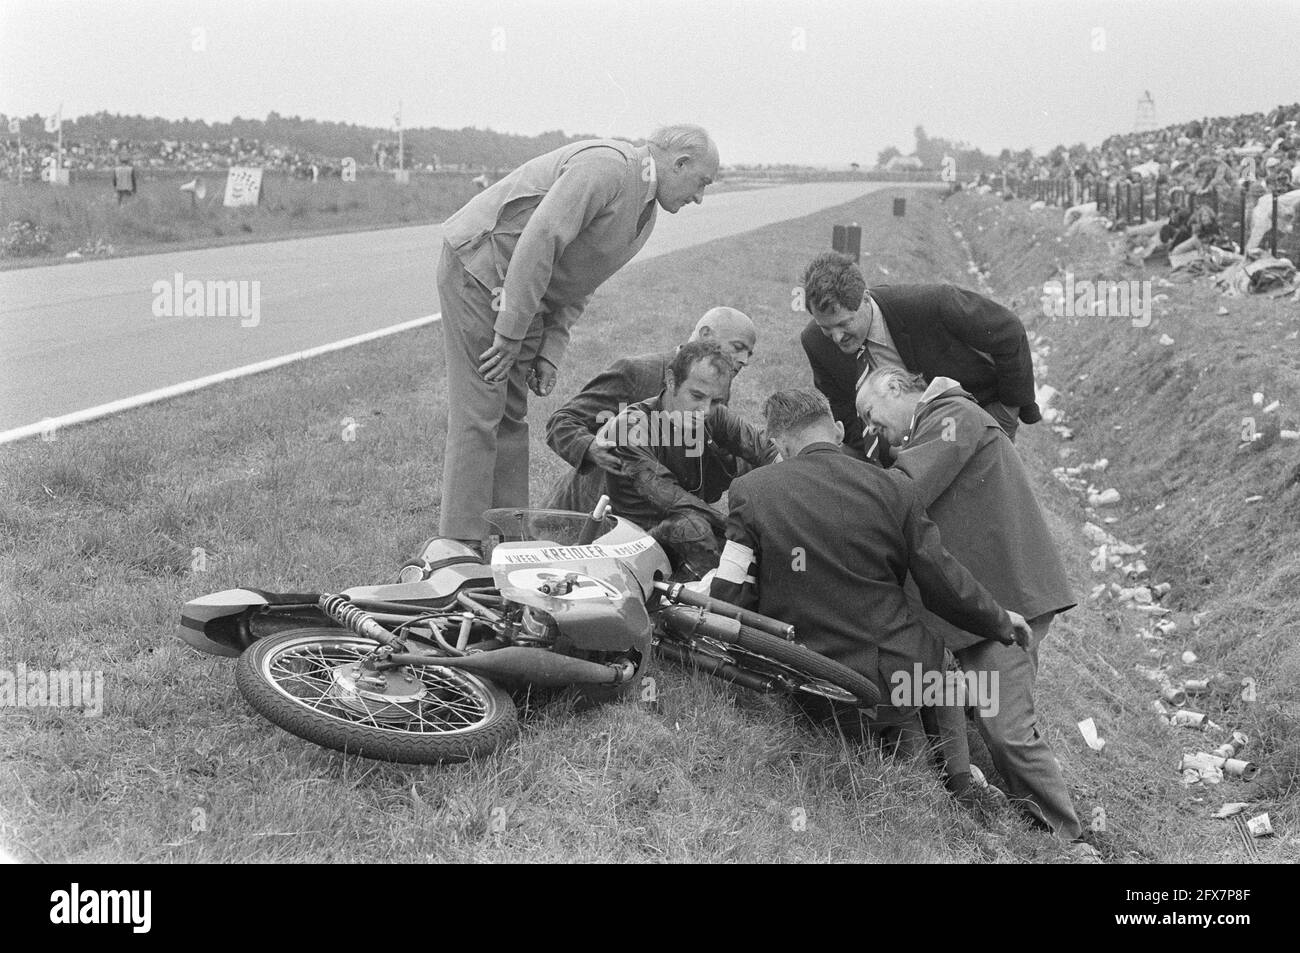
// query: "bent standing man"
[[519, 262], [968, 476], [932, 330]]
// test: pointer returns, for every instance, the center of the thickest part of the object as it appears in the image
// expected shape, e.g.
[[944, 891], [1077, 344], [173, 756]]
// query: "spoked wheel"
[[310, 683], [800, 667]]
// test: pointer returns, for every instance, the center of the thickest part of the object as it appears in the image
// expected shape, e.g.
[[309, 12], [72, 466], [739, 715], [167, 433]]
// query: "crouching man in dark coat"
[[571, 430], [825, 543], [676, 454], [966, 473]]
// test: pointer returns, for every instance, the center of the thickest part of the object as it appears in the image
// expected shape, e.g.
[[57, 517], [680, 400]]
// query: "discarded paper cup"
[[1259, 826], [1106, 497], [1174, 695]]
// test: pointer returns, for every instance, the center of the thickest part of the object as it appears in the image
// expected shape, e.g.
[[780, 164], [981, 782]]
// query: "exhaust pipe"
[[538, 667]]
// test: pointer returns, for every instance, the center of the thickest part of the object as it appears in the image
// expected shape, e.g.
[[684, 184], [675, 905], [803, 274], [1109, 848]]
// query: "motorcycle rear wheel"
[[300, 680]]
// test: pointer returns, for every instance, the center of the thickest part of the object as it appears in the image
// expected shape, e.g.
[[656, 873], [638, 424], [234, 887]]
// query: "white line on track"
[[185, 387]]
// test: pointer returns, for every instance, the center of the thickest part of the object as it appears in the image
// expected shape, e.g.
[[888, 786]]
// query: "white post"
[[401, 152], [58, 165]]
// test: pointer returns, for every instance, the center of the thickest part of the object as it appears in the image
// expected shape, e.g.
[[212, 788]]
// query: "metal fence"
[[1132, 203]]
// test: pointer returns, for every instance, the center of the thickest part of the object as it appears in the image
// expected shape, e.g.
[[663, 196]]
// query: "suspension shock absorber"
[[342, 611]]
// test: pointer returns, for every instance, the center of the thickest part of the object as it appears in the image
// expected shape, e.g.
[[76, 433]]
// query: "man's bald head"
[[732, 329]]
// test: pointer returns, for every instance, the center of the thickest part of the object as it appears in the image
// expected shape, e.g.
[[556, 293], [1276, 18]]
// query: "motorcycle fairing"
[[591, 625]]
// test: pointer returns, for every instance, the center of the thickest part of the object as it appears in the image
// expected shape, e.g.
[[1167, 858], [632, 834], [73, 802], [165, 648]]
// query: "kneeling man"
[[676, 454], [572, 429], [825, 543]]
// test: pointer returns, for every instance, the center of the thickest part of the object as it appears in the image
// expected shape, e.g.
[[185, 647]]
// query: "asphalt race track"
[[79, 335]]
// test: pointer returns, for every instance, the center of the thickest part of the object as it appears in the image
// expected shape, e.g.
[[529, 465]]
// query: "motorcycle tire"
[[292, 679], [815, 674]]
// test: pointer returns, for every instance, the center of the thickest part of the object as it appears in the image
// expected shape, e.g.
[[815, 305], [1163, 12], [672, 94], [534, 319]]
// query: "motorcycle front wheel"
[[795, 665], [814, 673], [308, 682]]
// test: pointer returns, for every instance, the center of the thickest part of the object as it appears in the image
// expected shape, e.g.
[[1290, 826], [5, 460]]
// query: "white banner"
[[243, 186]]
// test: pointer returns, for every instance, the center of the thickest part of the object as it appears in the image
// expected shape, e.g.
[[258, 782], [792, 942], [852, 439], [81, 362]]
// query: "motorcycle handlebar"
[[678, 593], [595, 522]]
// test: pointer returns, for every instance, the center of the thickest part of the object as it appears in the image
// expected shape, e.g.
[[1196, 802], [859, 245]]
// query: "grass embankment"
[[1219, 518], [160, 217], [100, 527]]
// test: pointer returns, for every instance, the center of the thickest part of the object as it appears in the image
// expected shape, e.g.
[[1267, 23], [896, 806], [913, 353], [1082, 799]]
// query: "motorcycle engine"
[[537, 629]]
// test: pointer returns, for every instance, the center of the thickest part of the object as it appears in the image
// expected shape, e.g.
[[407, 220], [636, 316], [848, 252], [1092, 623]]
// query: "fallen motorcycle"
[[421, 670]]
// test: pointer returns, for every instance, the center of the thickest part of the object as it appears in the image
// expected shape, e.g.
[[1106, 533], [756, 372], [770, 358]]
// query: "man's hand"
[[1021, 633], [603, 457], [541, 377], [496, 361], [600, 451]]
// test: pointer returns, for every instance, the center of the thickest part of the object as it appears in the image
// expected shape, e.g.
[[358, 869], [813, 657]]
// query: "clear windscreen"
[[554, 526]]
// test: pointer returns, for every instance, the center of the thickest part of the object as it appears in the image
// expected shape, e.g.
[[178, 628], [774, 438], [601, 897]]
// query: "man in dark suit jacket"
[[932, 330], [571, 430], [825, 544]]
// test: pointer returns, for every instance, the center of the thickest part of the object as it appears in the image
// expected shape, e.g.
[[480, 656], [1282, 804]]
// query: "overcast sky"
[[813, 81]]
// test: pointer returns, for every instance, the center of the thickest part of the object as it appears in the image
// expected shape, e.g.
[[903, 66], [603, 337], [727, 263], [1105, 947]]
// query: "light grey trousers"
[[1019, 751], [485, 464]]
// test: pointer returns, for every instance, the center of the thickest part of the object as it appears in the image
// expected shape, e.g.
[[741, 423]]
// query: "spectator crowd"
[[1200, 157], [179, 155]]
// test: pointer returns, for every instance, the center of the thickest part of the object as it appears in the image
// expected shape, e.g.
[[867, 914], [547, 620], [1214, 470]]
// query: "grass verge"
[[101, 528]]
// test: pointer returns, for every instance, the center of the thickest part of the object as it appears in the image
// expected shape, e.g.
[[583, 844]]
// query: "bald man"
[[519, 262], [571, 431]]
